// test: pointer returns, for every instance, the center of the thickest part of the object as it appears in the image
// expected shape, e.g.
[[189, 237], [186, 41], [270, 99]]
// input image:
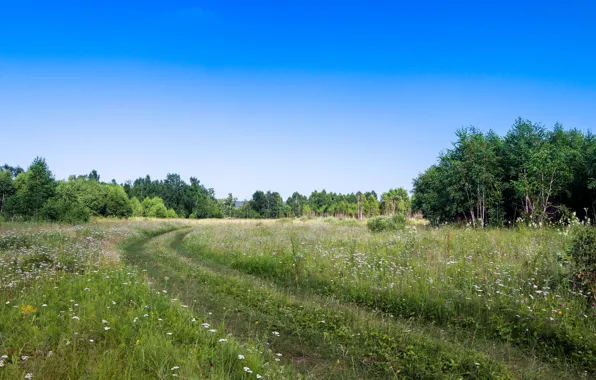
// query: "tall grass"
[[512, 285]]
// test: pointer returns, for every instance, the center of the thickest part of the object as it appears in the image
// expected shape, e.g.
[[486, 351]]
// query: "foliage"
[[154, 208], [386, 223], [530, 173], [33, 188], [583, 255], [65, 206]]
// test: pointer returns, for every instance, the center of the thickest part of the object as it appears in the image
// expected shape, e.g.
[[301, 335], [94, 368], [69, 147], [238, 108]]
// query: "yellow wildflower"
[[28, 309]]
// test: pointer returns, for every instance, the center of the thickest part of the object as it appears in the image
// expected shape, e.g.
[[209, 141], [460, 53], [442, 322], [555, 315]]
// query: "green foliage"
[[171, 213], [386, 223], [529, 173], [33, 188], [65, 206], [117, 202], [186, 199], [154, 208], [583, 255], [137, 207]]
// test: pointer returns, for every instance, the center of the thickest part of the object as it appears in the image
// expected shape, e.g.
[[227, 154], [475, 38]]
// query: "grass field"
[[320, 299]]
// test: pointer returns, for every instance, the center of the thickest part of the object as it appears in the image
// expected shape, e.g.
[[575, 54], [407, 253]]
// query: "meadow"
[[290, 299]]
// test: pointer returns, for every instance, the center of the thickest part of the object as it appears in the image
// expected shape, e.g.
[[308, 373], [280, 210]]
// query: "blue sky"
[[305, 95]]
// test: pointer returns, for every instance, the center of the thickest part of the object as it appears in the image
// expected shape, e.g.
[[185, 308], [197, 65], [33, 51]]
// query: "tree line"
[[35, 194], [532, 174]]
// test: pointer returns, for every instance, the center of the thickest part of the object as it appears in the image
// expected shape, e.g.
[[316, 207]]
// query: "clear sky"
[[282, 95]]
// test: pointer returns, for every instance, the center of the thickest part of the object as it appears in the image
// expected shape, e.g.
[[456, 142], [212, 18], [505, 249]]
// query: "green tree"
[[65, 206], [154, 208], [137, 208], [117, 202], [34, 187], [296, 202], [7, 188]]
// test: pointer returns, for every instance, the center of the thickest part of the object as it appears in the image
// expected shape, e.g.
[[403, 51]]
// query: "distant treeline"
[[531, 174], [35, 194]]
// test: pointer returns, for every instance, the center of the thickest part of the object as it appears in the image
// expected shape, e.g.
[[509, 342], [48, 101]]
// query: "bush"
[[583, 255], [386, 223], [171, 213], [59, 209], [117, 203]]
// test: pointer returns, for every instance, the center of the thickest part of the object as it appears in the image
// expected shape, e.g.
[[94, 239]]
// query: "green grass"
[[510, 285], [91, 320], [321, 300]]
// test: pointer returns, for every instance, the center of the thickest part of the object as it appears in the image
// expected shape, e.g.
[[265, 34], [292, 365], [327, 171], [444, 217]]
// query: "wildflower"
[[246, 369], [174, 368], [560, 313], [138, 342], [28, 309], [75, 317], [106, 328], [1, 363], [212, 330], [206, 325], [24, 358], [44, 305], [277, 359], [275, 333], [259, 376], [29, 376], [169, 333], [91, 340], [279, 354], [222, 340], [240, 357]]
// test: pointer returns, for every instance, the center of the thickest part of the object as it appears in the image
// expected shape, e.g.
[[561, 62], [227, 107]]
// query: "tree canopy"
[[531, 173]]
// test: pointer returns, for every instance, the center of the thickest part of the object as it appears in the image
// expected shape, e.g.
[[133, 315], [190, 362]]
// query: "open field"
[[321, 299]]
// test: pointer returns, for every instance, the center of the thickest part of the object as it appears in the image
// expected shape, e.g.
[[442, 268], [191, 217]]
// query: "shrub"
[[386, 223], [171, 213], [583, 255]]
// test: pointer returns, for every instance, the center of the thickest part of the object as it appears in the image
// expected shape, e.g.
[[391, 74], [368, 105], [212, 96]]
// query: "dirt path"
[[319, 336]]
